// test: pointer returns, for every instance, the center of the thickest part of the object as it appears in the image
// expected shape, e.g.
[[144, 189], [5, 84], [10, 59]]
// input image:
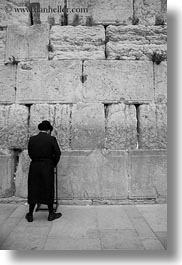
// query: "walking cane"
[[56, 203]]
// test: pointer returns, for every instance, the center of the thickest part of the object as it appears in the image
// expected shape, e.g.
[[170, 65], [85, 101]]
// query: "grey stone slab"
[[72, 244], [156, 216], [110, 81], [162, 236], [153, 126], [49, 82], [93, 174], [10, 15], [87, 126], [27, 43], [26, 236], [125, 239], [136, 42], [76, 222], [6, 175], [147, 173], [152, 244], [121, 127], [7, 83], [113, 217], [150, 12], [79, 42], [100, 12]]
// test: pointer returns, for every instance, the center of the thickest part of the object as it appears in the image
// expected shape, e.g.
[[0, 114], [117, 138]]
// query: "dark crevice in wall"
[[28, 118], [83, 77], [35, 13], [16, 154], [106, 113], [106, 41], [64, 17], [138, 124]]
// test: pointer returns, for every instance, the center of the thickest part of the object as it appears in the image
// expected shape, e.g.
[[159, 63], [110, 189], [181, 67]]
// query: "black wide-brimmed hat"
[[45, 126]]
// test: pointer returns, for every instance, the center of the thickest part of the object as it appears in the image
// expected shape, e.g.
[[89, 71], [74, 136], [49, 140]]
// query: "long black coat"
[[44, 151]]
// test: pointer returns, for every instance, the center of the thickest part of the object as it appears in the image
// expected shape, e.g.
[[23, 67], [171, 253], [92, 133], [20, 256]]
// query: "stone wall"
[[100, 77]]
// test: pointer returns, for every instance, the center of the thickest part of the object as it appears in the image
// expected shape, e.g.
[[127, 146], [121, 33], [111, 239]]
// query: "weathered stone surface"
[[92, 174], [6, 175], [121, 127], [88, 126], [13, 126], [153, 126], [38, 113], [114, 81], [2, 44], [49, 81], [14, 12], [86, 12], [136, 42], [17, 133], [27, 43], [150, 12], [160, 72], [7, 83], [134, 52], [147, 173], [79, 42], [47, 11], [21, 179]]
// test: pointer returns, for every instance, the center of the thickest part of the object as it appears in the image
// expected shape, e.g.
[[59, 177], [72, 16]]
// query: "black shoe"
[[53, 216], [29, 217]]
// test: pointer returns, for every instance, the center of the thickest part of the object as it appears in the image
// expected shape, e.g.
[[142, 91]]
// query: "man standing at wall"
[[45, 153]]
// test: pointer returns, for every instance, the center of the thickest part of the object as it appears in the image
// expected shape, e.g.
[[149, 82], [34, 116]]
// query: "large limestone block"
[[13, 126], [86, 12], [147, 173], [27, 43], [49, 81], [88, 126], [17, 133], [6, 175], [136, 42], [7, 83], [21, 176], [47, 11], [79, 42], [150, 12], [153, 126], [114, 81], [121, 127], [160, 72], [93, 175], [2, 44], [14, 12]]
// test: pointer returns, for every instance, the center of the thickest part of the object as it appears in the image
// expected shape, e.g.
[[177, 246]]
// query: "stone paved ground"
[[125, 227]]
